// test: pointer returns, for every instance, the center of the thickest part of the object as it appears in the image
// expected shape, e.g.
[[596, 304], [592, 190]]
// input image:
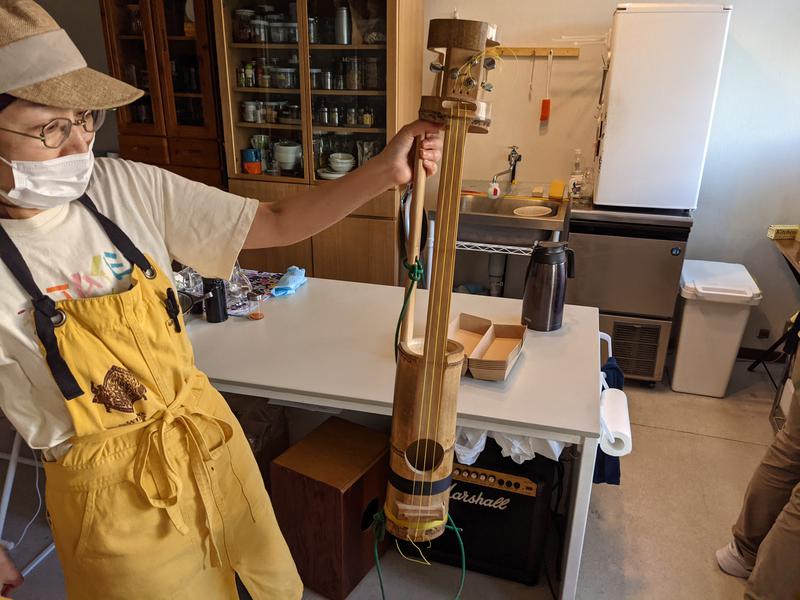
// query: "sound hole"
[[425, 455], [367, 516]]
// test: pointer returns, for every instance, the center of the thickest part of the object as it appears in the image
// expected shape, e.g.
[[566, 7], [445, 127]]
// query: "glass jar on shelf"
[[291, 33], [259, 31], [353, 73], [344, 142], [372, 77], [249, 74], [316, 78], [279, 32], [242, 30], [134, 20], [284, 77], [313, 30], [322, 116]]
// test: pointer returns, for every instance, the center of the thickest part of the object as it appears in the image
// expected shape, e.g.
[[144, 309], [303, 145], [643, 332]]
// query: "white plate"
[[532, 211], [326, 173]]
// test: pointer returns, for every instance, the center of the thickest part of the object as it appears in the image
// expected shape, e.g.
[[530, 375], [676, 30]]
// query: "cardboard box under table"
[[325, 491]]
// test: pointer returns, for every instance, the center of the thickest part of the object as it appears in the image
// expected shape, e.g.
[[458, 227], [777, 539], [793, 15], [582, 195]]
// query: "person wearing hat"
[[152, 489]]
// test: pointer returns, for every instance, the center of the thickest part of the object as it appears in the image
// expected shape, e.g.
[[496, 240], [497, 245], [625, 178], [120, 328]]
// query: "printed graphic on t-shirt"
[[104, 271]]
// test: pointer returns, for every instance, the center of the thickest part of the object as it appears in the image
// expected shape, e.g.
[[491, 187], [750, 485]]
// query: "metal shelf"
[[476, 247]]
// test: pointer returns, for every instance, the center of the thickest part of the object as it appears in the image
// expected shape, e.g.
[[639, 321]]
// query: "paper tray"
[[497, 352], [468, 330]]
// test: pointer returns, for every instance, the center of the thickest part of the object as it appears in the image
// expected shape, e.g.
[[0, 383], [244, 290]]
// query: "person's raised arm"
[[294, 219]]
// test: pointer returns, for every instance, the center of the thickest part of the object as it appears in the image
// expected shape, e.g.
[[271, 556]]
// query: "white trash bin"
[[716, 298]]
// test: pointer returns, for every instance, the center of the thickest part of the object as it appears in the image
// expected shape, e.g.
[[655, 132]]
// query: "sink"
[[483, 205], [493, 220]]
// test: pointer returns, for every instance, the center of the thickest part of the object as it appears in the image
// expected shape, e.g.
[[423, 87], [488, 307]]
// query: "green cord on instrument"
[[415, 274], [379, 532]]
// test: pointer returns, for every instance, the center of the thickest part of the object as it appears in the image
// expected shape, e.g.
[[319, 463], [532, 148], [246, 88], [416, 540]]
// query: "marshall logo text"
[[500, 503]]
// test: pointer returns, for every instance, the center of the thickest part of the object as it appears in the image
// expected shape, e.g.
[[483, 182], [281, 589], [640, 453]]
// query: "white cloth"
[[471, 442], [70, 256]]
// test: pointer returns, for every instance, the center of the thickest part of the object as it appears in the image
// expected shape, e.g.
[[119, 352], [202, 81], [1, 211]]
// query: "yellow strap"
[[419, 526]]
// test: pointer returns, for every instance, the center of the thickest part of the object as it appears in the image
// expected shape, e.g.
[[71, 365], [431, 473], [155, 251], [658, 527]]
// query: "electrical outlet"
[[763, 334]]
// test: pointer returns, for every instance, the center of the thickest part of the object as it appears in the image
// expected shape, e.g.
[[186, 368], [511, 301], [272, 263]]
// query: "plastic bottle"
[[577, 178]]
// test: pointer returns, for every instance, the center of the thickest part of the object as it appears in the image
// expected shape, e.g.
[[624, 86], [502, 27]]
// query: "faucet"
[[513, 158]]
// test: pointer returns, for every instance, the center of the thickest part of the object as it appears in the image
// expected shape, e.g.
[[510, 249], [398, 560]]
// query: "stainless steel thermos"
[[546, 285]]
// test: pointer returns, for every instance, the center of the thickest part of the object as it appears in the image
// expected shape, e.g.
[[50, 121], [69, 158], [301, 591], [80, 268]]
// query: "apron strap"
[[46, 316], [119, 238]]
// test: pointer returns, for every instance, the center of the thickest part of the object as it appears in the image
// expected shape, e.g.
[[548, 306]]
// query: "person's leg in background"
[[767, 533]]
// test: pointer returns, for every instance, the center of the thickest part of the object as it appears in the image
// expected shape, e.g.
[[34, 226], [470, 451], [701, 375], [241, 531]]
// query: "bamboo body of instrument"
[[429, 371], [420, 512], [414, 235]]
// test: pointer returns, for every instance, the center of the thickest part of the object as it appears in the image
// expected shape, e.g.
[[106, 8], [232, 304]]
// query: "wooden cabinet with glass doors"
[[310, 90], [165, 48]]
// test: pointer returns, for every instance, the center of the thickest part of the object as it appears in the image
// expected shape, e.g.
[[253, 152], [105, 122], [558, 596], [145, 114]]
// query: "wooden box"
[[325, 490]]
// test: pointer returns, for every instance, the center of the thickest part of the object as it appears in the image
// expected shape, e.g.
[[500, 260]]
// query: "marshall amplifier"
[[503, 510]]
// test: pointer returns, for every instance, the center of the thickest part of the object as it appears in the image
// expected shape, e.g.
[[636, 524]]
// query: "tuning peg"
[[454, 73], [437, 67], [470, 83], [487, 87], [489, 63]]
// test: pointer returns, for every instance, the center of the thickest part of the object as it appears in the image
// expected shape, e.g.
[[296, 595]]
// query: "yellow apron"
[[160, 495]]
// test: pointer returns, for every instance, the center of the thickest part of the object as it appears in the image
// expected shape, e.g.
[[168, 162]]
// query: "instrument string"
[[427, 354], [452, 255], [432, 348], [439, 308]]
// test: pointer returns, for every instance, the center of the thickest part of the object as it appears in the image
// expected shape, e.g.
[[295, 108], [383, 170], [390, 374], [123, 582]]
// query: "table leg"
[[576, 523]]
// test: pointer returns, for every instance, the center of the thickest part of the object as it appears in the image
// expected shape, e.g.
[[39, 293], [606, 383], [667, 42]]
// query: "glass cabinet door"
[[188, 94], [133, 58], [347, 48], [264, 54]]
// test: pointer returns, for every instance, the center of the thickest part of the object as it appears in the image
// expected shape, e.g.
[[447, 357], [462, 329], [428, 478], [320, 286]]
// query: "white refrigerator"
[[658, 103]]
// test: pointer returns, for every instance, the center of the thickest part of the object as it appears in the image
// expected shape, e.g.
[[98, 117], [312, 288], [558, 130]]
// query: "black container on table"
[[504, 513], [546, 285], [215, 303]]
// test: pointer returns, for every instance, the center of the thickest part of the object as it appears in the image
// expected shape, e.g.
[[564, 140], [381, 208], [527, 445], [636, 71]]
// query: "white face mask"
[[49, 183]]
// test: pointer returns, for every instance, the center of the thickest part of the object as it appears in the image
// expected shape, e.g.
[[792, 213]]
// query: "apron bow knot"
[[155, 460]]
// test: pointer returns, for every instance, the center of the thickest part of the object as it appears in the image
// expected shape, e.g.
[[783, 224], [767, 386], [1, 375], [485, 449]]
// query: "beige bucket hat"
[[39, 63]]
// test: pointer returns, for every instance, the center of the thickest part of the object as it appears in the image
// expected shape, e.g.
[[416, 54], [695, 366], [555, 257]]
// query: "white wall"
[[752, 173]]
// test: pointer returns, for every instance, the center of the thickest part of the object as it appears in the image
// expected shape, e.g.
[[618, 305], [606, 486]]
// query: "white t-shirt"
[[70, 256]]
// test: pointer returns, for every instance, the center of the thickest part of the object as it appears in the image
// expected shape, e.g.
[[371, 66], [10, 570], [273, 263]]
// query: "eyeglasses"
[[57, 131]]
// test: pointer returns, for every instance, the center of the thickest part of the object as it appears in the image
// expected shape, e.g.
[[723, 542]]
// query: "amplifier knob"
[[482, 477], [456, 472], [516, 485], [473, 475], [491, 478]]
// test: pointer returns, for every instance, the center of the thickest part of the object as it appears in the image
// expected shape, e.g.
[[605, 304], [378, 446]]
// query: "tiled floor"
[[653, 537]]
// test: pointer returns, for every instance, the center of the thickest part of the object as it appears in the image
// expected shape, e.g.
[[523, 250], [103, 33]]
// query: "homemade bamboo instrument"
[[429, 371]]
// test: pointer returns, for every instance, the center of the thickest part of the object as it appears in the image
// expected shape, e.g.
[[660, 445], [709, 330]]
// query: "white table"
[[330, 346]]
